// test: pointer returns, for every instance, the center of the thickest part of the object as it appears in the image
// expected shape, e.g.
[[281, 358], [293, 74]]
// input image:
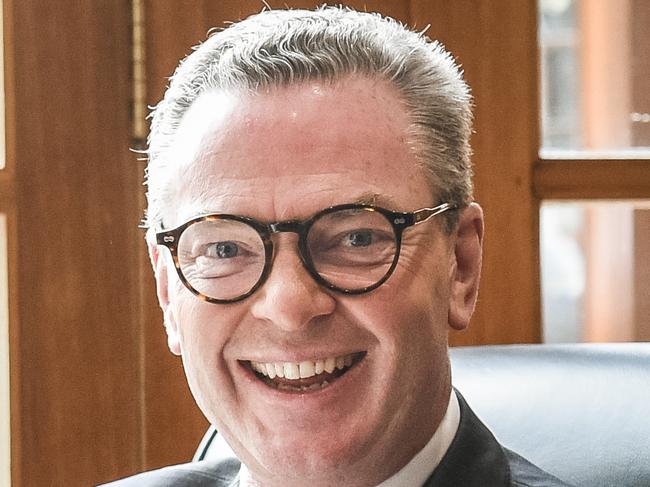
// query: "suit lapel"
[[474, 458]]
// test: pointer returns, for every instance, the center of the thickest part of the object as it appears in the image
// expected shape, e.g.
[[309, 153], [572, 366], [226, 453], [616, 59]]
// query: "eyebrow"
[[370, 198], [367, 198]]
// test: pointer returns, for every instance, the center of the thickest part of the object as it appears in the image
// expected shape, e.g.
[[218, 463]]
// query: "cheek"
[[421, 281], [405, 314], [424, 273], [409, 313], [198, 341], [204, 331], [204, 328], [410, 327]]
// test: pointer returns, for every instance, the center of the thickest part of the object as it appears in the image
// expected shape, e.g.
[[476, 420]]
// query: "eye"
[[358, 238], [223, 250]]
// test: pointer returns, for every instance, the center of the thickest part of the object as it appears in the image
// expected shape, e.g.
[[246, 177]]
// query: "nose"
[[290, 299]]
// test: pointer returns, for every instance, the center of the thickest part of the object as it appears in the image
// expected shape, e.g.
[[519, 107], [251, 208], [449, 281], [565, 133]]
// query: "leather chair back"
[[581, 412]]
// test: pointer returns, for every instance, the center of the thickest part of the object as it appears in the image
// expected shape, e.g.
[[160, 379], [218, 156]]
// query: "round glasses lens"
[[221, 258], [352, 249]]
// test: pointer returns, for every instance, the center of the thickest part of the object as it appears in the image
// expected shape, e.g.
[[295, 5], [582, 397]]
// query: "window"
[[595, 259], [595, 101]]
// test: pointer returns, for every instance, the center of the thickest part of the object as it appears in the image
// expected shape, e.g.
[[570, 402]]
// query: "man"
[[309, 175]]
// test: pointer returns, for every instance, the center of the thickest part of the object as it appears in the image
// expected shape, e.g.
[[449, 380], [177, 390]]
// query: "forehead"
[[291, 151]]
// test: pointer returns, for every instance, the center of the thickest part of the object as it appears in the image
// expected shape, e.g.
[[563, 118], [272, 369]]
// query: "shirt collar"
[[421, 466]]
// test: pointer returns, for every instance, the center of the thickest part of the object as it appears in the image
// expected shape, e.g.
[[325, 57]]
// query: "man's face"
[[283, 155]]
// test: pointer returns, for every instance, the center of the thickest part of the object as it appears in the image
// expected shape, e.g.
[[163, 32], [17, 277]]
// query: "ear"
[[162, 291], [466, 268]]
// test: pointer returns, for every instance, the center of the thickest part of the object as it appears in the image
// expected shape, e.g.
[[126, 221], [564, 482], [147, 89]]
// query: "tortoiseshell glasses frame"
[[357, 239]]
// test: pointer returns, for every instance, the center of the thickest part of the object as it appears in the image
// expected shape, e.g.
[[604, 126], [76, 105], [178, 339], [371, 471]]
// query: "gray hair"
[[278, 48]]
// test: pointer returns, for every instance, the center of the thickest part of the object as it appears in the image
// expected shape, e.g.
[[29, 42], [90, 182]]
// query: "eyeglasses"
[[351, 249]]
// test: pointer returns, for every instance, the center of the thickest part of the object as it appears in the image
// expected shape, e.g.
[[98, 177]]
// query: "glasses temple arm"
[[424, 214]]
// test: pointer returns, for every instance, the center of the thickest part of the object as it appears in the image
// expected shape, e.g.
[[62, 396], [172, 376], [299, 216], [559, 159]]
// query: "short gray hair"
[[279, 48]]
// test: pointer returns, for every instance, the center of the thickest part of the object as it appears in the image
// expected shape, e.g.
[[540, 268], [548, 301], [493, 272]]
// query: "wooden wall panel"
[[8, 206], [76, 371], [580, 179], [503, 78]]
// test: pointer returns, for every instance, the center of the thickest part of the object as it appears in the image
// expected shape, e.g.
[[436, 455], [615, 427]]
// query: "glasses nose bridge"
[[298, 227], [292, 226]]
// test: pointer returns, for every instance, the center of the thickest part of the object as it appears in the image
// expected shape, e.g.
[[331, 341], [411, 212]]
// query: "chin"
[[309, 462]]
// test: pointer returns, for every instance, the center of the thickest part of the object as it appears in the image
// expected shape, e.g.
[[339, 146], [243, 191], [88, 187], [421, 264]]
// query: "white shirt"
[[421, 466]]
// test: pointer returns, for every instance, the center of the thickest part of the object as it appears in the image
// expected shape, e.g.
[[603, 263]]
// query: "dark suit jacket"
[[474, 459]]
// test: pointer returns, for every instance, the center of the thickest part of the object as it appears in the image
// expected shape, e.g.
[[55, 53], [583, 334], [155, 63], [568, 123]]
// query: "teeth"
[[279, 369], [306, 370], [330, 365], [313, 387], [270, 369], [302, 370], [319, 366], [340, 362], [291, 371]]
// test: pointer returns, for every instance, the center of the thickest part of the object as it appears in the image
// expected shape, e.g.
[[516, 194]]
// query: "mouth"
[[306, 376]]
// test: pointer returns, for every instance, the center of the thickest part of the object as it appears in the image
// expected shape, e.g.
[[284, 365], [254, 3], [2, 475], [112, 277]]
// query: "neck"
[[412, 471]]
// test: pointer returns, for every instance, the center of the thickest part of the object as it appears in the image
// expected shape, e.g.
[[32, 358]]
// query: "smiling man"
[[313, 237]]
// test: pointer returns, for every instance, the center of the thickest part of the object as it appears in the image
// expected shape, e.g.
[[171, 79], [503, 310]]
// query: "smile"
[[306, 376]]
